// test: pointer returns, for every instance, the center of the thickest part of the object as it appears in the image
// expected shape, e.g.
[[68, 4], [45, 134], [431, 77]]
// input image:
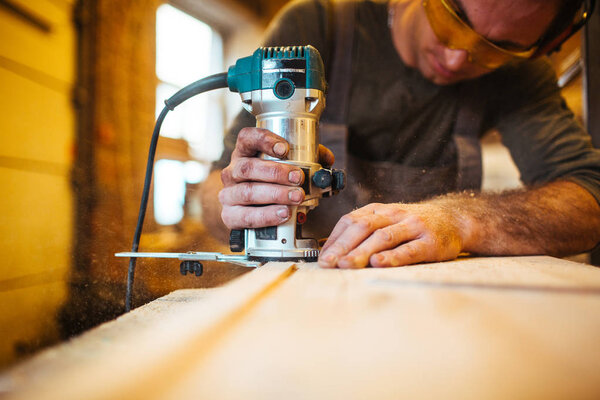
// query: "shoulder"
[[312, 8], [299, 14], [314, 20], [299, 23]]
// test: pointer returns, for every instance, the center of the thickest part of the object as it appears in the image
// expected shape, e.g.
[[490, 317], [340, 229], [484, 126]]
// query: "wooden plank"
[[360, 334], [141, 361], [472, 328], [103, 339]]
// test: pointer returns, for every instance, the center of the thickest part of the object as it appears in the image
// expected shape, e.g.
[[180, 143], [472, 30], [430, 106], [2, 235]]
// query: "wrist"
[[468, 231], [458, 211]]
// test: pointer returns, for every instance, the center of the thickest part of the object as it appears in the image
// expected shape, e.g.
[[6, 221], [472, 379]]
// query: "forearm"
[[211, 207], [559, 218]]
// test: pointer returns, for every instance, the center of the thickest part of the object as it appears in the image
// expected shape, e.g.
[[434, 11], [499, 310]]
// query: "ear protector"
[[581, 18]]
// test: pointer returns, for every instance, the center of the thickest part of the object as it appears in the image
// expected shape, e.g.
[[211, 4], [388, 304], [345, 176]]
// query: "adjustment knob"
[[284, 89], [236, 240], [322, 179], [339, 179]]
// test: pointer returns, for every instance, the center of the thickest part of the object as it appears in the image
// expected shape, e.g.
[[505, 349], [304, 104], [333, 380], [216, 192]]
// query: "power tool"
[[284, 88]]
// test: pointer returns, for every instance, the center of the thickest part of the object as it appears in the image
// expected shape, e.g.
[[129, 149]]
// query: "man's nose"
[[455, 59]]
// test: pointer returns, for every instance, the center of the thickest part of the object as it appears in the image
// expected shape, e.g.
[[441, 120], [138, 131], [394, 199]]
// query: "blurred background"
[[81, 82]]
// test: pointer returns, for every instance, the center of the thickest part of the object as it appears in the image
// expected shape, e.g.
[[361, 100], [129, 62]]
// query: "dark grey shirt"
[[395, 114]]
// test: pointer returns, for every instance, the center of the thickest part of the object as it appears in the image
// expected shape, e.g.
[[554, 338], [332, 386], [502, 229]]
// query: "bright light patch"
[[183, 46], [195, 172], [169, 191], [187, 49]]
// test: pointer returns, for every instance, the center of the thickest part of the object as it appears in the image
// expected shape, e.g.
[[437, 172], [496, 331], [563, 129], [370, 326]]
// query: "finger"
[[256, 169], [238, 217], [346, 221], [251, 141], [326, 157], [413, 252], [352, 237], [260, 193], [385, 238]]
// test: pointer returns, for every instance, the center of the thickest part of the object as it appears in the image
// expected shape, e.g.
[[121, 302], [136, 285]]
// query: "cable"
[[203, 85]]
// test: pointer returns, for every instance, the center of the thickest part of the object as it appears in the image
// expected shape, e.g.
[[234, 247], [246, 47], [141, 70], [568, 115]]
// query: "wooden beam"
[[27, 15], [493, 328]]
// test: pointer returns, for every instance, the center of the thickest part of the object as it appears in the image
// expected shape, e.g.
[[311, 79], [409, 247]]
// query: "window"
[[187, 49]]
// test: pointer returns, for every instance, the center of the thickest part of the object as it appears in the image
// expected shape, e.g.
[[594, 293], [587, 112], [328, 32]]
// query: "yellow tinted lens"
[[454, 33]]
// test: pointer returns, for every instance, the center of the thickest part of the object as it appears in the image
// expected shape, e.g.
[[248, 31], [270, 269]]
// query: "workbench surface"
[[474, 328]]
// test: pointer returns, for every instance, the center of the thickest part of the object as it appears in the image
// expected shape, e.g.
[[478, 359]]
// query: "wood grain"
[[491, 328]]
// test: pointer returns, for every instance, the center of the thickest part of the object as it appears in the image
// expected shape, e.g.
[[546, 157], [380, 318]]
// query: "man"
[[414, 68]]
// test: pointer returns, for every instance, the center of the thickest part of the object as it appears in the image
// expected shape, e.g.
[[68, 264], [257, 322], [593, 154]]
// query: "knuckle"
[[434, 241], [226, 219], [262, 216], [372, 206], [280, 172], [415, 220], [246, 193], [269, 171], [243, 169], [226, 175], [274, 173], [364, 224], [222, 196], [245, 134], [257, 217], [348, 219], [278, 196], [411, 251], [384, 236], [247, 220], [340, 248], [344, 219]]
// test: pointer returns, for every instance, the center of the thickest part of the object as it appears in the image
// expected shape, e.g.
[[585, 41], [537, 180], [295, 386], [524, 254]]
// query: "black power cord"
[[203, 85]]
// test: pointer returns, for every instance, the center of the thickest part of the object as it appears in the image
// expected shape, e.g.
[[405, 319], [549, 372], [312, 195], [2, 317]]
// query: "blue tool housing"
[[301, 66]]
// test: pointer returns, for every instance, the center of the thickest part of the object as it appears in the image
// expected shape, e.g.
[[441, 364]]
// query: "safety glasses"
[[453, 32]]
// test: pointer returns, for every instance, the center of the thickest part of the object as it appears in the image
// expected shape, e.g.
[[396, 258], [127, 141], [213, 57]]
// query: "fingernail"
[[283, 213], [280, 148], [295, 195], [295, 176]]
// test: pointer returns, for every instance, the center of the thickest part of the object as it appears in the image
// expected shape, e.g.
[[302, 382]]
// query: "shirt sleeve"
[[545, 140], [299, 23]]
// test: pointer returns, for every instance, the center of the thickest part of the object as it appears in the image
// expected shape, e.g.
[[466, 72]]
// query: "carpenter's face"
[[511, 24]]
